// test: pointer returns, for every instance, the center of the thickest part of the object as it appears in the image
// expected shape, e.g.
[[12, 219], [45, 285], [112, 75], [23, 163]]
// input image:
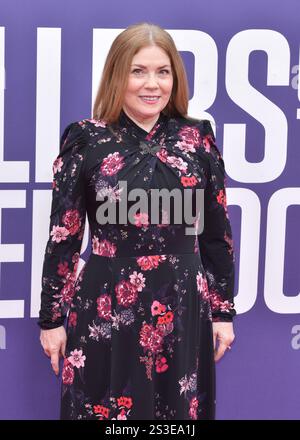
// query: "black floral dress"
[[140, 310]]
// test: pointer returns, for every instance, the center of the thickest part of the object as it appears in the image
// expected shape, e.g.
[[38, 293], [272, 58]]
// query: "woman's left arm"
[[216, 245]]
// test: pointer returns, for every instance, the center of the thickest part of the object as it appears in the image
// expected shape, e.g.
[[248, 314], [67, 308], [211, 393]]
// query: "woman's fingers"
[[63, 349], [220, 350], [215, 339], [47, 352], [55, 362], [223, 338], [54, 344]]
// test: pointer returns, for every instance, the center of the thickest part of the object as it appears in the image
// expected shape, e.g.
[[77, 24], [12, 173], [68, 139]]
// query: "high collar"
[[138, 132]]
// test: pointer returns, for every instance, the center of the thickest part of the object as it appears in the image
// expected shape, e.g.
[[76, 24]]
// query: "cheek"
[[133, 87], [167, 88]]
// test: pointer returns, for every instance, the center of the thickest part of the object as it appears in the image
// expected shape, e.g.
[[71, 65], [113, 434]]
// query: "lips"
[[150, 99]]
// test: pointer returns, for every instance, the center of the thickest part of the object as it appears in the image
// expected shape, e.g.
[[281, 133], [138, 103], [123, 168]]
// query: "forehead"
[[153, 55]]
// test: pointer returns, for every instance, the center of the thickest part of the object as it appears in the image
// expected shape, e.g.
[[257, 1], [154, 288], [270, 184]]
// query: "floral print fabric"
[[140, 311]]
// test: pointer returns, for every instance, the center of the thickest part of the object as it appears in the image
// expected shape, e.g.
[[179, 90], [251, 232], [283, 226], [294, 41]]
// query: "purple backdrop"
[[253, 54]]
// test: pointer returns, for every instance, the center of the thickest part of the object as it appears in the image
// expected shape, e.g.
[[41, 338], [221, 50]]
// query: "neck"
[[145, 123]]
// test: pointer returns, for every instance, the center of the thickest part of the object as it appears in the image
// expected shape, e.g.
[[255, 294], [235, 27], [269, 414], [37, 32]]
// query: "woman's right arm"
[[62, 253]]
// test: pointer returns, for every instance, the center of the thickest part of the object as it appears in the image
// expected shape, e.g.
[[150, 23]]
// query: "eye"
[[138, 71], [165, 71]]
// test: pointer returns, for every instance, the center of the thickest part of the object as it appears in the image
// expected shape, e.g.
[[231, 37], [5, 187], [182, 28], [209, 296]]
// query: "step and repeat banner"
[[242, 60]]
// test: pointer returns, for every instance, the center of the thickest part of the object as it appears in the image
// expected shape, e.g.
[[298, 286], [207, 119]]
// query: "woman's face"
[[149, 84]]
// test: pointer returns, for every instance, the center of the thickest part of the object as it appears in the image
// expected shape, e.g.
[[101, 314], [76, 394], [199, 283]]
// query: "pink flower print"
[[162, 258], [102, 411], [55, 311], [150, 262], [111, 164], [57, 165], [202, 285], [71, 220], [112, 193], [151, 338], [67, 372], [63, 269], [68, 291], [76, 258], [141, 219], [95, 244], [77, 358], [73, 319], [165, 328], [225, 306], [184, 385], [95, 331], [167, 318], [161, 364], [147, 263], [221, 197], [122, 415], [125, 401], [206, 143], [104, 306], [191, 139], [162, 155], [150, 135], [193, 408], [217, 303], [177, 162], [59, 233], [104, 247], [157, 308], [188, 181], [137, 280], [126, 293]]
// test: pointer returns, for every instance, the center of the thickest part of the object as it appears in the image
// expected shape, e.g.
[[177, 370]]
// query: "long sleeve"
[[67, 221], [215, 242]]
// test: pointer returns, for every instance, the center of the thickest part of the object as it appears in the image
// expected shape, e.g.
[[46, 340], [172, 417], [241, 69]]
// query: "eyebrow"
[[161, 67]]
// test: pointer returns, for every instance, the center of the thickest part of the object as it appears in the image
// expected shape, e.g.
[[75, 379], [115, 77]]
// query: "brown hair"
[[109, 99]]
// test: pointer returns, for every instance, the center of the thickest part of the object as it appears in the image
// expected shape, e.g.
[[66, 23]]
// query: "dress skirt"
[[139, 341]]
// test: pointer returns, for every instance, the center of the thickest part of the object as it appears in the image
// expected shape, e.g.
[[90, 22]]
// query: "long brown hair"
[[110, 95]]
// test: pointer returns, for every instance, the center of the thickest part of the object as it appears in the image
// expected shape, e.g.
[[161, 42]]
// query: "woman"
[[150, 303]]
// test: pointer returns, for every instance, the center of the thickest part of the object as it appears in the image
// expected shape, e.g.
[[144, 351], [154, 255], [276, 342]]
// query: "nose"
[[151, 81]]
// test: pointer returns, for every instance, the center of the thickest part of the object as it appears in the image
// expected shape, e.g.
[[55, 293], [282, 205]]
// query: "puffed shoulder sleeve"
[[215, 242], [67, 221]]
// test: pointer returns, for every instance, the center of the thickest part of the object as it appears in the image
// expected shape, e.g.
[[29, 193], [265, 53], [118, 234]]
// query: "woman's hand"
[[223, 332], [54, 344]]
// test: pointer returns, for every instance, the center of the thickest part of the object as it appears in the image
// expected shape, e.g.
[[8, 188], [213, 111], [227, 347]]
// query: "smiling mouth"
[[149, 98]]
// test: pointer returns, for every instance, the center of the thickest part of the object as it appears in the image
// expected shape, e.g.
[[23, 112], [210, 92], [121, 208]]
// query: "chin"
[[150, 112]]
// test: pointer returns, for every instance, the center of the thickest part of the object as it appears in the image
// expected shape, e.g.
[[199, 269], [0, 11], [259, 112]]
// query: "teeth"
[[150, 98]]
